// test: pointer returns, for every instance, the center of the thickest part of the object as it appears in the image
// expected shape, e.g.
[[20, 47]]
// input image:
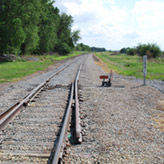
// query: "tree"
[[97, 49], [29, 11], [65, 42], [124, 50], [75, 36], [11, 30], [131, 51], [151, 50], [28, 26], [82, 47], [48, 28]]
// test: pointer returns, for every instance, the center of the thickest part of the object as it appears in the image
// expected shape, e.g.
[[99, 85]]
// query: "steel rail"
[[77, 115], [13, 111], [7, 116], [10, 114], [60, 145]]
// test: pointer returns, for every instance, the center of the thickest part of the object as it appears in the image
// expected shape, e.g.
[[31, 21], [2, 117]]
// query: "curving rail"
[[60, 146], [77, 117], [12, 112]]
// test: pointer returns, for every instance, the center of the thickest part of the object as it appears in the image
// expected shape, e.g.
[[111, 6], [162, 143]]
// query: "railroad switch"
[[107, 79]]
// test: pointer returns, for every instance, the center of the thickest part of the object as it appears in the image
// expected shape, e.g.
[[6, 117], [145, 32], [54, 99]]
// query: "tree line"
[[83, 47], [152, 50], [35, 26]]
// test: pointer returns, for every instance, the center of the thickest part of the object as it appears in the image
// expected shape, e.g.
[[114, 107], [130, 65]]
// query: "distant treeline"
[[35, 26], [83, 47], [95, 49], [152, 50]]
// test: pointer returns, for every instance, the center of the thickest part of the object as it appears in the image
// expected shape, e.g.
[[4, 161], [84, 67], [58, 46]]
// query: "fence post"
[[144, 68]]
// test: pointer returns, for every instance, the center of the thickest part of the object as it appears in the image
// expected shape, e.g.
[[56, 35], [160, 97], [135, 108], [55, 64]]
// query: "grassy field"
[[13, 71], [133, 65]]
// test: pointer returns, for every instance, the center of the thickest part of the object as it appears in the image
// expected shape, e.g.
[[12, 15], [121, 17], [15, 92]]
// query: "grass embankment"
[[13, 71], [133, 65]]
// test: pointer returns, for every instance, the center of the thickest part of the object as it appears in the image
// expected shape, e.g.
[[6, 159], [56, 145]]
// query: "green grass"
[[133, 65], [13, 71], [57, 57]]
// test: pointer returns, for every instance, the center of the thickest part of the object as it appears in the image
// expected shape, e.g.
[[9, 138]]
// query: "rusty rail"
[[60, 145], [10, 114], [13, 111], [77, 115]]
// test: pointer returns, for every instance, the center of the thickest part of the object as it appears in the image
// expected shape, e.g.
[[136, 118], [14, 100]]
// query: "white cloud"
[[96, 19], [103, 23], [95, 8], [149, 13], [132, 35], [149, 16]]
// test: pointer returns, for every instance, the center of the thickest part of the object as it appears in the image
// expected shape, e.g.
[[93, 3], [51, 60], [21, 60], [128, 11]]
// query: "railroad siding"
[[117, 122], [14, 92], [34, 131], [31, 136]]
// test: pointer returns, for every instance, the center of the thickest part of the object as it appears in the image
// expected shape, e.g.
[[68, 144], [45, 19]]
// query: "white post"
[[144, 68]]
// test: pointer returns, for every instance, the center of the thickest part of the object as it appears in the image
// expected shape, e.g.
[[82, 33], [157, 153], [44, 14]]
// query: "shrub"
[[124, 50], [63, 49], [151, 50], [131, 51]]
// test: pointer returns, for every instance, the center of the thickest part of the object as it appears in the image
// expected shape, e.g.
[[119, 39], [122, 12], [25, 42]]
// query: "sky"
[[114, 24]]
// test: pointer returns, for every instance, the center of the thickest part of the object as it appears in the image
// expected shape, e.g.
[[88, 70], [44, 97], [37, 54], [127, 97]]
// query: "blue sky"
[[115, 24]]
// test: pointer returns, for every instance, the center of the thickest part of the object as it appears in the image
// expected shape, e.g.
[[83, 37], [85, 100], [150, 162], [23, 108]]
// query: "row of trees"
[[35, 26], [83, 47], [96, 49], [151, 50]]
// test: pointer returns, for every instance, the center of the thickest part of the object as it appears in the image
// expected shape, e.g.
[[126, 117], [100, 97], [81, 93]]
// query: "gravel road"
[[118, 122]]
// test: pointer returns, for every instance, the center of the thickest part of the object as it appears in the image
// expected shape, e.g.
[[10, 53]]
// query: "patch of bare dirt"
[[100, 63], [159, 120]]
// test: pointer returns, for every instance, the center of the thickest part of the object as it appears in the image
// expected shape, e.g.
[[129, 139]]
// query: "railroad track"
[[37, 133]]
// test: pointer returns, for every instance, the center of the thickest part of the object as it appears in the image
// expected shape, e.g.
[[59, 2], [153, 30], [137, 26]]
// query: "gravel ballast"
[[12, 93], [32, 135], [118, 122]]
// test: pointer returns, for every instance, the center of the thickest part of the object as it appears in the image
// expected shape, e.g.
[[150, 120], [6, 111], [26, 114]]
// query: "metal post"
[[144, 68]]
